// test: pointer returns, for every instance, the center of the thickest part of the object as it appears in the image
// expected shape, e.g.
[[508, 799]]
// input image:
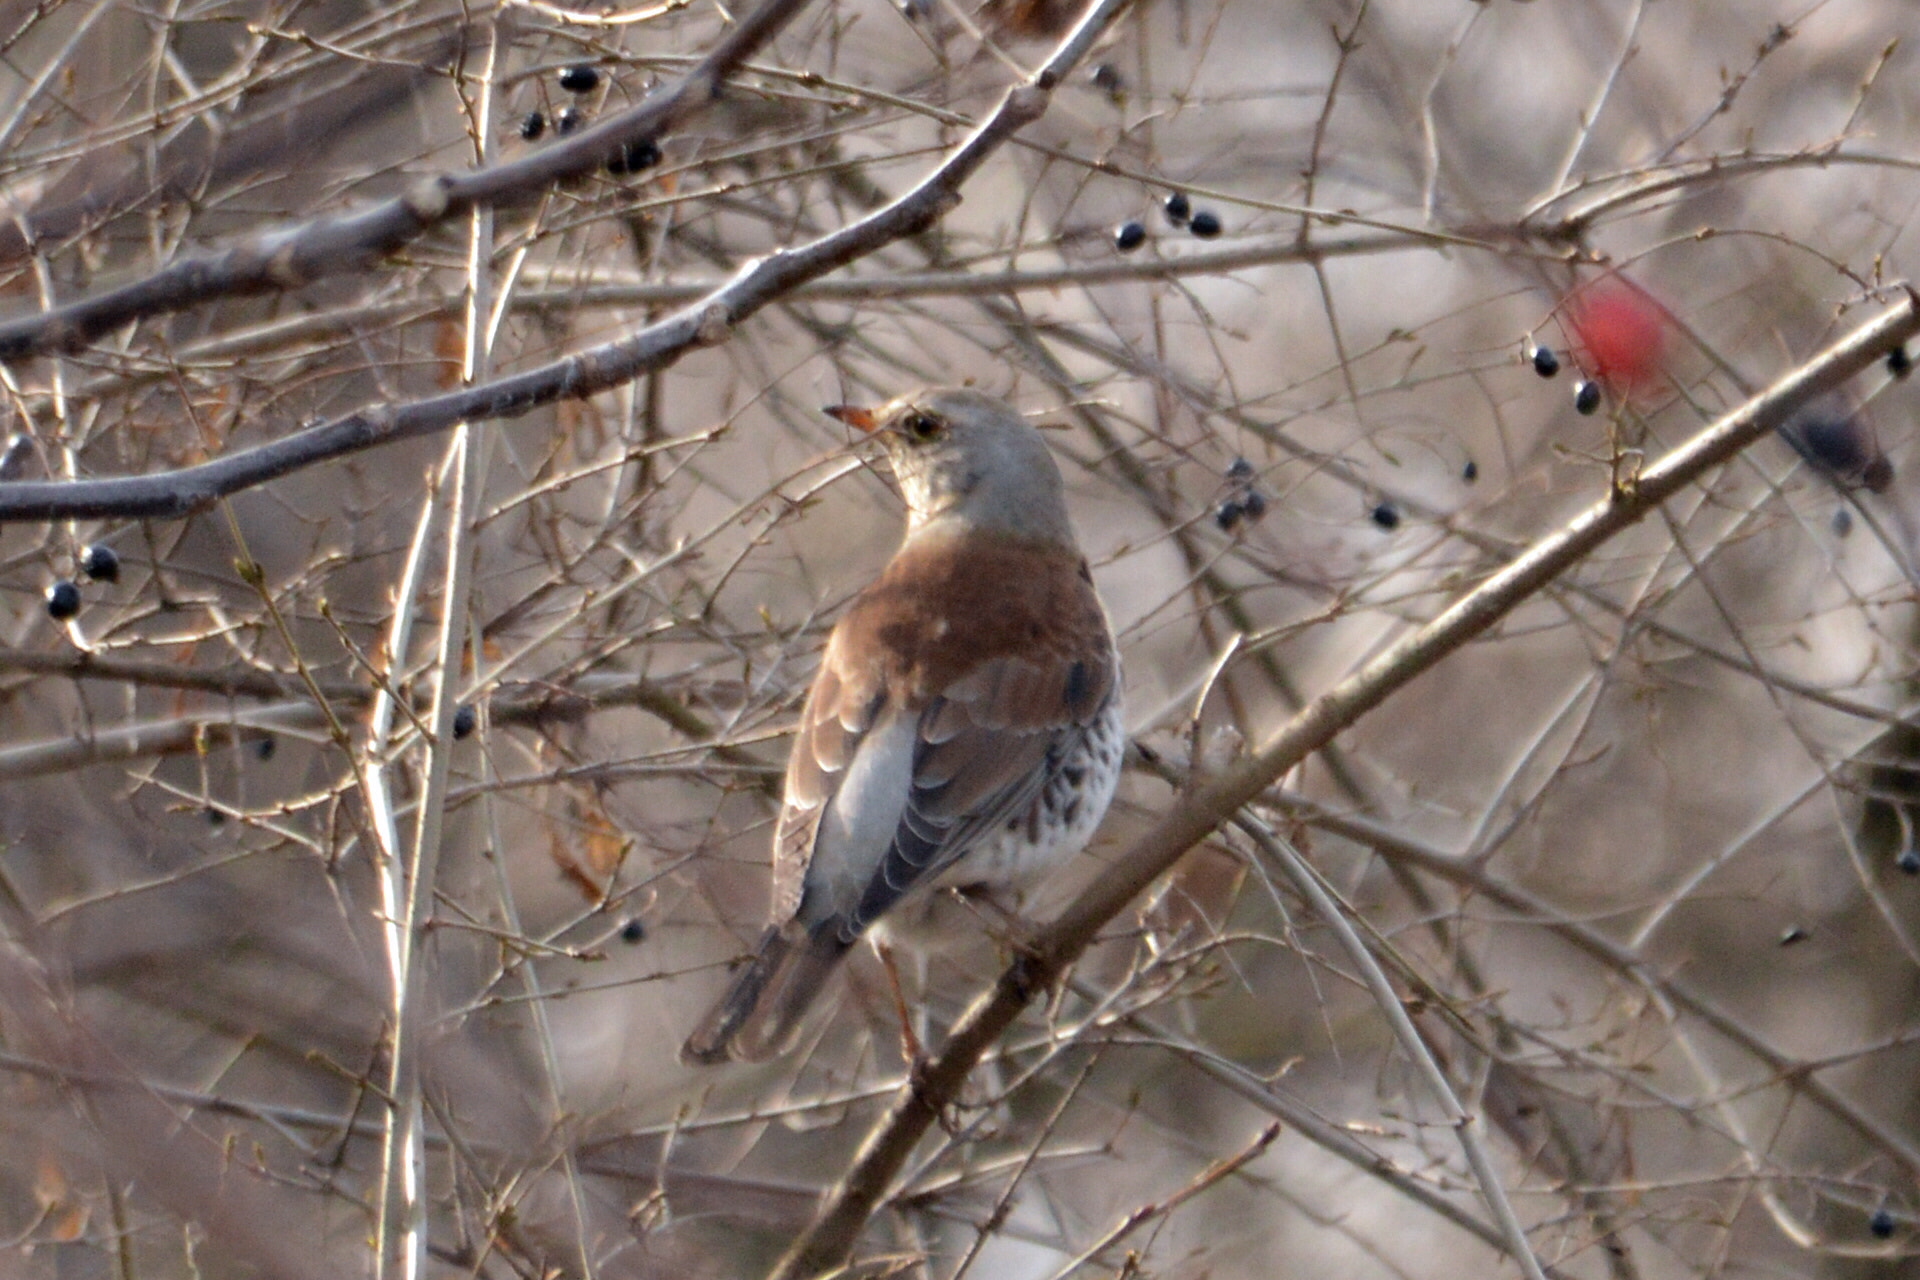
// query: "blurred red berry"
[[1623, 332]]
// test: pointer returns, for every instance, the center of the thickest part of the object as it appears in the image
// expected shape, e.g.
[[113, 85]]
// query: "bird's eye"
[[919, 425]]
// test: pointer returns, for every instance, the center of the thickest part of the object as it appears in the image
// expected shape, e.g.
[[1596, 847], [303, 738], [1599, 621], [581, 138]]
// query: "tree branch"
[[1195, 816], [707, 322], [288, 257]]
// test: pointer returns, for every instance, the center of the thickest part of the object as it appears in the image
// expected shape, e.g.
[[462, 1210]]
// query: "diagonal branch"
[[706, 322], [1196, 815], [1670, 990], [288, 257]]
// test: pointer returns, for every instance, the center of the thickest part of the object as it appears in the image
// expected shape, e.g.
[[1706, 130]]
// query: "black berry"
[[215, 818], [634, 157], [63, 600], [100, 562], [1470, 472], [1239, 469], [579, 79], [1178, 208], [265, 748], [533, 126], [1129, 236], [1107, 79], [1228, 514], [634, 930], [566, 120], [1387, 516], [1909, 861], [1881, 1223], [1545, 363], [1205, 224], [1586, 396], [462, 721], [1842, 522], [1899, 363], [1254, 505]]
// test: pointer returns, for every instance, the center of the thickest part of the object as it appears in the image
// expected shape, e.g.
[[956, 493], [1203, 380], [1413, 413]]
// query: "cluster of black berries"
[[1840, 444], [534, 126], [633, 157], [99, 563], [579, 79], [1205, 223], [1586, 392], [1246, 501]]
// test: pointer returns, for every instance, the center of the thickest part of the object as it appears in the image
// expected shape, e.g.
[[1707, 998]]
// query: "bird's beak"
[[853, 416]]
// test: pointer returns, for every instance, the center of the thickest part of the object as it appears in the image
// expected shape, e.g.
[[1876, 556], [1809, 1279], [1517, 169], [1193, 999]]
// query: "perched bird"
[[964, 731]]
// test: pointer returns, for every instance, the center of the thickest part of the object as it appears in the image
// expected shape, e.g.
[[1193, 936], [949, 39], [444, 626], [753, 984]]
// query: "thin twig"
[[1464, 1123], [1673, 993]]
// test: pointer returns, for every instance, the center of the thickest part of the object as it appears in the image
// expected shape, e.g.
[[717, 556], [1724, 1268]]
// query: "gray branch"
[[288, 257], [706, 322]]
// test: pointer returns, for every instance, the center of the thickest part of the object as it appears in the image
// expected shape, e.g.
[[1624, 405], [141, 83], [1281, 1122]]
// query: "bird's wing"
[[841, 708], [947, 694], [984, 751]]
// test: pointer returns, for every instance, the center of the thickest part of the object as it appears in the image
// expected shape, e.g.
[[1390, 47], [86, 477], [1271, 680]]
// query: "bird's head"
[[967, 460]]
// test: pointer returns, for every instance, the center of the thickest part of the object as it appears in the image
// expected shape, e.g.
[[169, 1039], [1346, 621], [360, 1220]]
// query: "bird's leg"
[[917, 1059], [909, 1042]]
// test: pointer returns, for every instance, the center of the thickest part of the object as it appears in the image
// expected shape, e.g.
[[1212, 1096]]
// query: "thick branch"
[[1196, 815]]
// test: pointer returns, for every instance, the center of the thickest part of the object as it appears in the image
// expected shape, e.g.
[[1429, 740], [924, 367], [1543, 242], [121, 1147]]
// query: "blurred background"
[[1438, 276]]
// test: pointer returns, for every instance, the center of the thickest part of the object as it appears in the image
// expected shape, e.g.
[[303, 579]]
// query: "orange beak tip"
[[852, 415]]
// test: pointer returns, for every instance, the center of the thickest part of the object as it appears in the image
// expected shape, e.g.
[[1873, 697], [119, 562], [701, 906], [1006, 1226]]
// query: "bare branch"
[[1196, 815], [707, 322], [292, 256]]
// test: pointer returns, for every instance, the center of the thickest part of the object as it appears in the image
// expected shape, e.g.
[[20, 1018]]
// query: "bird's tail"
[[759, 1017]]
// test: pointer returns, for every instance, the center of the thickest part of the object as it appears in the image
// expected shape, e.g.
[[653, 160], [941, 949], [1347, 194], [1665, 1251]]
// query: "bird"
[[964, 731]]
